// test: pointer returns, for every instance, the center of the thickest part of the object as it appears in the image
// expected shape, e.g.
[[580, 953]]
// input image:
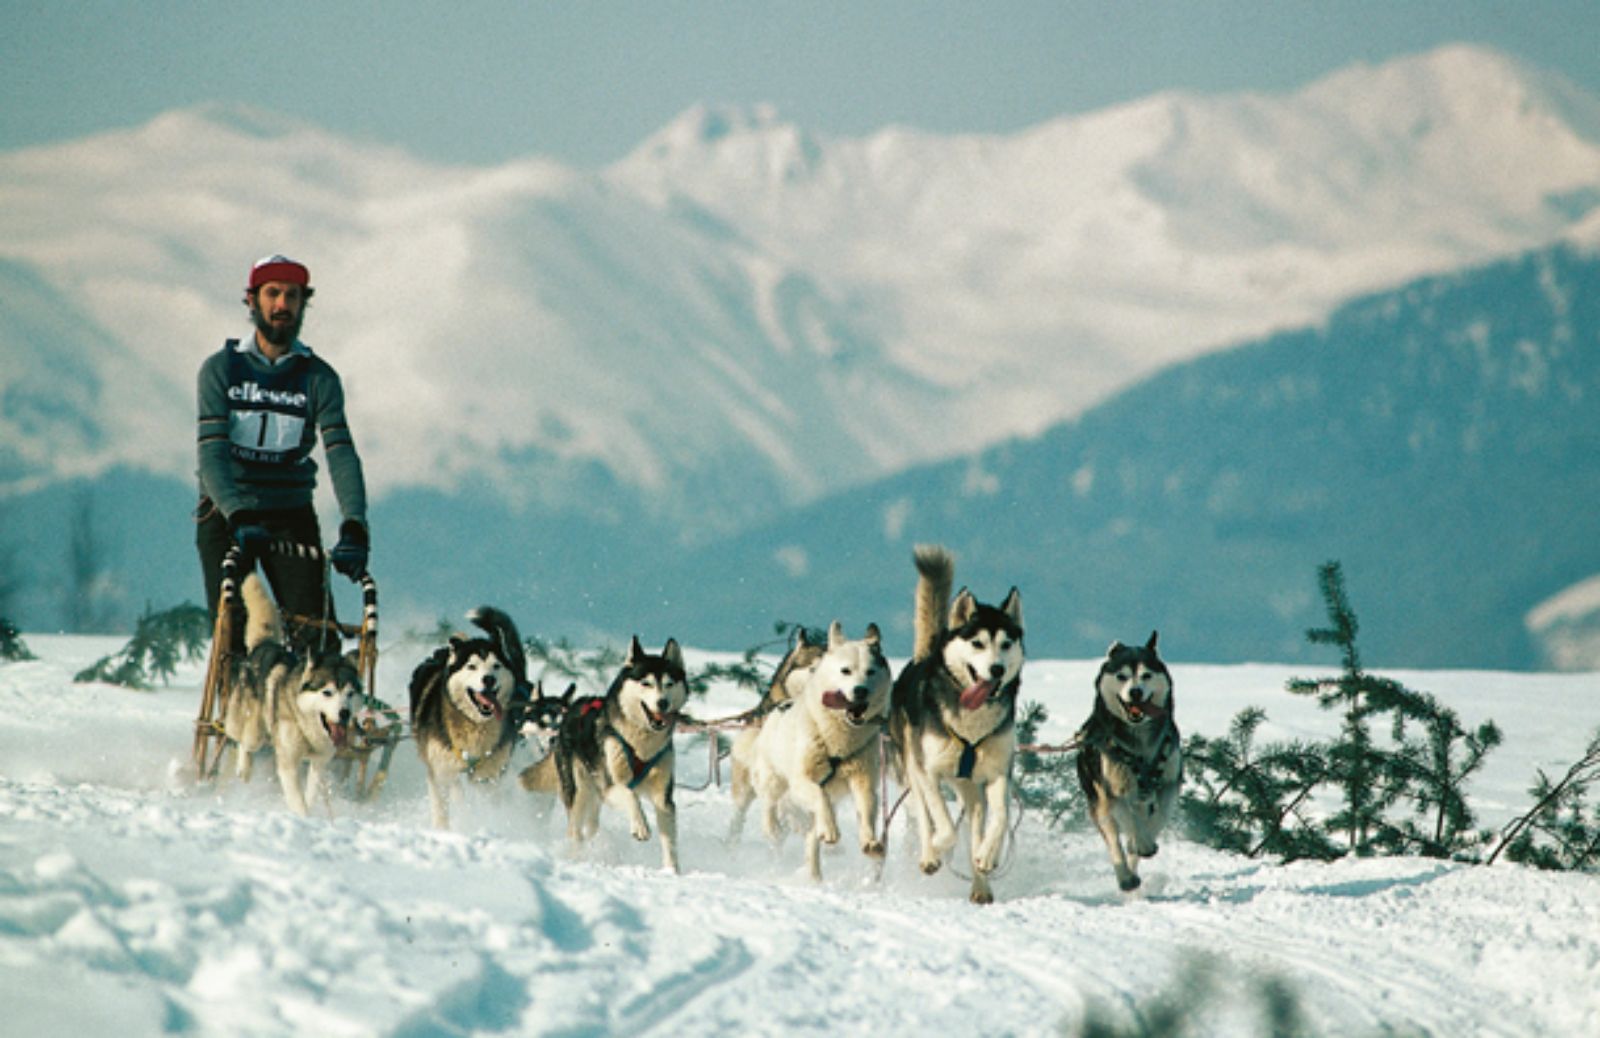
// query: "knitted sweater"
[[258, 424]]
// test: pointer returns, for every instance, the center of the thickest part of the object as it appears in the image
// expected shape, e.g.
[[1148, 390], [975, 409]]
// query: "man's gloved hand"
[[350, 554], [252, 538]]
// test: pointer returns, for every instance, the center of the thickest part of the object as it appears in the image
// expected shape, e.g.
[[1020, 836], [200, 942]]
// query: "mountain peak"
[[1463, 81], [751, 139]]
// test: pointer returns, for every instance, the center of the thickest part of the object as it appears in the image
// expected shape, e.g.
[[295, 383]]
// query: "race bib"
[[265, 436]]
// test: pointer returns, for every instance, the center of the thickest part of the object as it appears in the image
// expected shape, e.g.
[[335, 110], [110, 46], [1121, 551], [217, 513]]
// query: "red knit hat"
[[278, 268]]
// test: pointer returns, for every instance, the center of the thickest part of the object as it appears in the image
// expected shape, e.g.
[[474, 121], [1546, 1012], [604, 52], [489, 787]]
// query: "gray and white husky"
[[818, 745], [301, 705], [952, 717], [466, 701], [617, 748], [1130, 763]]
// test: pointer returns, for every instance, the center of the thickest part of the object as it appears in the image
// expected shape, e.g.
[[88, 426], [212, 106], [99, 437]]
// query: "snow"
[[134, 900]]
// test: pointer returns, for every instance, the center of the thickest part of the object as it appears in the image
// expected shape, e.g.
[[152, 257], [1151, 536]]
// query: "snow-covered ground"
[[133, 901]]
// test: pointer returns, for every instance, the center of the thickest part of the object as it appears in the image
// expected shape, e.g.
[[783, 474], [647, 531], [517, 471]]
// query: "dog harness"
[[637, 765], [835, 762], [969, 750], [1146, 771]]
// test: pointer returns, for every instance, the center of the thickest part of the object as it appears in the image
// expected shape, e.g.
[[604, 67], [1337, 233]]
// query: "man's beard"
[[277, 332]]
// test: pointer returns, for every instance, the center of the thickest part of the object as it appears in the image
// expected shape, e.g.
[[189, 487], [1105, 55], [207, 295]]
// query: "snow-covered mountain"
[[744, 315]]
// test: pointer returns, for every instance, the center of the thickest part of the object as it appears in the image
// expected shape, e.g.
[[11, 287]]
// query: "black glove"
[[350, 554], [252, 538]]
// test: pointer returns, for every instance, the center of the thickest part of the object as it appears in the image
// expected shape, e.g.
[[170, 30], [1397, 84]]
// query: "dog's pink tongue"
[[492, 703], [976, 695], [338, 733], [833, 699]]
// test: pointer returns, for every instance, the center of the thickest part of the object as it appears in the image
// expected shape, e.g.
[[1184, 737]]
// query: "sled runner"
[[377, 727]]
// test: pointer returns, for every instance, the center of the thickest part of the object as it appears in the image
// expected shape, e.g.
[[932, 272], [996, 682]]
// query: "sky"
[[584, 83]]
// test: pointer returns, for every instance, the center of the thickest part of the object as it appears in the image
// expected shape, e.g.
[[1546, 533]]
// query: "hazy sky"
[[584, 81]]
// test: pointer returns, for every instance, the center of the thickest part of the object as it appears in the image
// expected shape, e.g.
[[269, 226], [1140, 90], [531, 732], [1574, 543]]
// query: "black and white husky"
[[466, 702], [953, 713], [617, 748], [300, 705], [1130, 763], [818, 745]]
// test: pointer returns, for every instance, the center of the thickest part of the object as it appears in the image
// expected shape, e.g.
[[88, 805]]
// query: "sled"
[[376, 730]]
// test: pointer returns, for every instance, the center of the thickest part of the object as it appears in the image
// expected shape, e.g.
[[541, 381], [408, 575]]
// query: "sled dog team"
[[814, 739]]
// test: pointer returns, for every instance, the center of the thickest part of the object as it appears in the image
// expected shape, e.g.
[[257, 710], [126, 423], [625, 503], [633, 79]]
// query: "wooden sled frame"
[[369, 732]]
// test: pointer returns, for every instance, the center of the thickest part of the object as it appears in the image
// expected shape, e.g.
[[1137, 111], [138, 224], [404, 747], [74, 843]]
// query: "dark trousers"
[[300, 586]]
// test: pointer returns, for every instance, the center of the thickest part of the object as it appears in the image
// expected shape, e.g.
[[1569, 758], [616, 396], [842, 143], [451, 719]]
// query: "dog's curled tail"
[[262, 620], [936, 570], [503, 630]]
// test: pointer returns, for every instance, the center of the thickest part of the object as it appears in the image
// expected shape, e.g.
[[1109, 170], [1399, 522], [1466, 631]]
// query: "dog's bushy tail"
[[936, 570], [503, 630], [263, 623]]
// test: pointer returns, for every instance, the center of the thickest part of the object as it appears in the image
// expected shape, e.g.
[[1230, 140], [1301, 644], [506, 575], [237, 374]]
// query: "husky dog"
[[300, 705], [952, 716], [793, 671], [818, 745], [1131, 763], [465, 700], [540, 718], [615, 747]]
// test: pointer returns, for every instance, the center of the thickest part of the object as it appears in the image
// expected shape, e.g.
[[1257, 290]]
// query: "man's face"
[[277, 308]]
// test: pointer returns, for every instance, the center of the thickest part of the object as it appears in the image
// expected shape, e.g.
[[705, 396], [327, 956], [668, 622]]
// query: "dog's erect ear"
[[1151, 644], [672, 654], [572, 689], [873, 636], [961, 609], [1012, 606], [635, 650], [1115, 648], [836, 636]]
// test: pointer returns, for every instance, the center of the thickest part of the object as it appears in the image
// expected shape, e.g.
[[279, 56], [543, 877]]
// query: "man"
[[262, 400]]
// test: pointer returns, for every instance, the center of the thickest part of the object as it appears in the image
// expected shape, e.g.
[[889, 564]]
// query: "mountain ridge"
[[812, 318]]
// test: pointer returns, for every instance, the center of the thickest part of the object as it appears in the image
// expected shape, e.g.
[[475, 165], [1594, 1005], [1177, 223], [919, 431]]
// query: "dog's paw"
[[828, 834], [930, 866], [1149, 850], [873, 849], [641, 831], [1129, 882], [982, 897]]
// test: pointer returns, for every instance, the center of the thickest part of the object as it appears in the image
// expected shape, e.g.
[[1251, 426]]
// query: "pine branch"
[[1577, 778]]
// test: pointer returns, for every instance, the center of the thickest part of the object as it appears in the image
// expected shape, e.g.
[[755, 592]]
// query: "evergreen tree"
[[1406, 795], [1251, 802], [12, 647], [1434, 771], [1360, 770], [160, 642], [1561, 830]]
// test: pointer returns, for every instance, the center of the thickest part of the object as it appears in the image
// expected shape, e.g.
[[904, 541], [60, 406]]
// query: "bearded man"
[[263, 399]]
